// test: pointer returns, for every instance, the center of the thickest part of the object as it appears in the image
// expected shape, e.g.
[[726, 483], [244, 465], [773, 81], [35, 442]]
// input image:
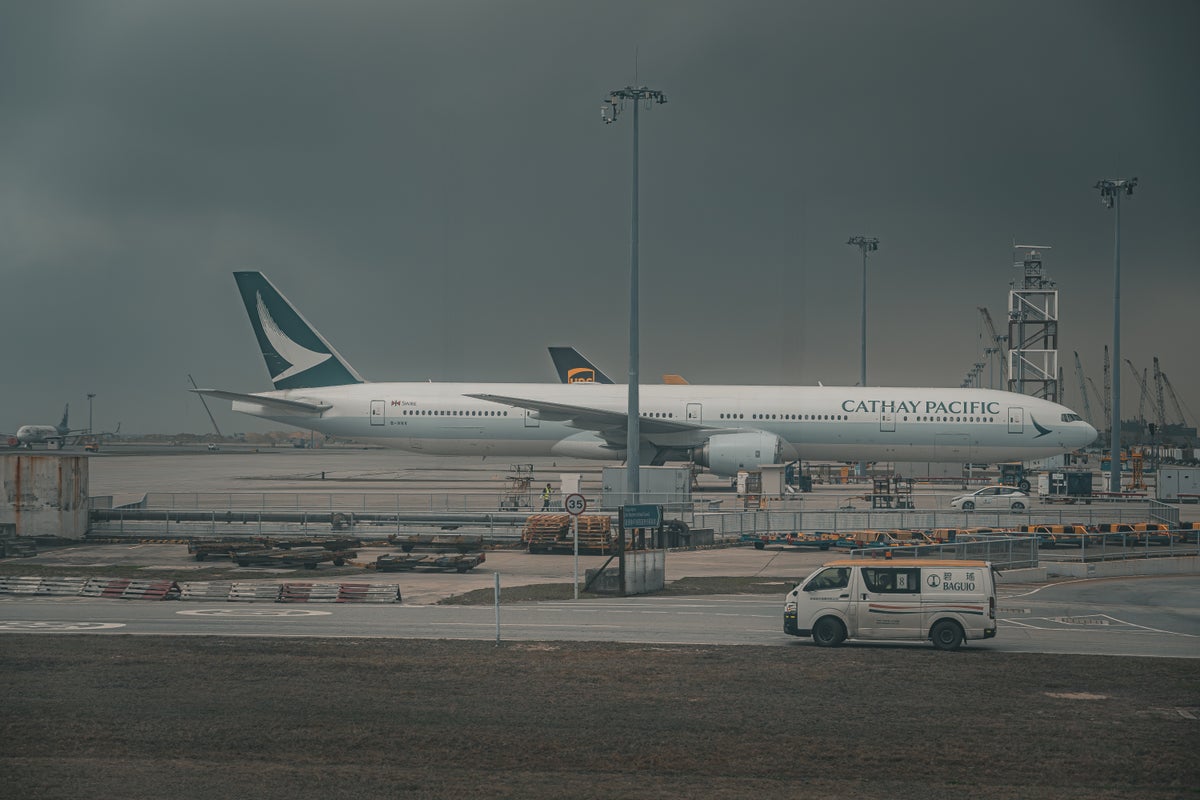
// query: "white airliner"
[[725, 428], [29, 435], [52, 435]]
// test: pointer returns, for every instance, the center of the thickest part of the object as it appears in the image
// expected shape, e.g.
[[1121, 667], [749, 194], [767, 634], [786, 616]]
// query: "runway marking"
[[255, 612], [21, 625]]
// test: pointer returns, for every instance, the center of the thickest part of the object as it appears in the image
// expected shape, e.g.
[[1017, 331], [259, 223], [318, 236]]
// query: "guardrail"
[[737, 523], [1004, 552]]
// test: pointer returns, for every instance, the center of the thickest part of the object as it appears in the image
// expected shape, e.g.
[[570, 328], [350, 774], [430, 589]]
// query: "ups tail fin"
[[297, 356], [574, 368]]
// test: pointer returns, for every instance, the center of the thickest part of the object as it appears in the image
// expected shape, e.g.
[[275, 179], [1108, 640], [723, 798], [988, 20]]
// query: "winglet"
[[297, 356]]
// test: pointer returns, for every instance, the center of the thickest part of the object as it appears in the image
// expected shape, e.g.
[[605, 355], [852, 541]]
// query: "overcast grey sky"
[[431, 183]]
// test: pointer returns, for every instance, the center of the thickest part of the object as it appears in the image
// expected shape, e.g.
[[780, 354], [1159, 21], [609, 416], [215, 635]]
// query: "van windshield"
[[831, 578]]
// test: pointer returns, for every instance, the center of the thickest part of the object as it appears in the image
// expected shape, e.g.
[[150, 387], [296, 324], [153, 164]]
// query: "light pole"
[[1110, 196], [612, 107], [867, 245], [89, 397]]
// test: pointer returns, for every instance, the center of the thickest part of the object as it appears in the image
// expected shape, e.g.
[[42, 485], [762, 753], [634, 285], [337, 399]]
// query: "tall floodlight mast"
[[866, 245], [611, 109], [1110, 196]]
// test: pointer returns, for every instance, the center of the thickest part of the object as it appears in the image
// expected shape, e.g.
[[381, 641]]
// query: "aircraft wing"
[[592, 419], [276, 403]]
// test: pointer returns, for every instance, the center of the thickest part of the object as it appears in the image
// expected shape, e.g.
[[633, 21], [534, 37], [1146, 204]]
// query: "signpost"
[[642, 517], [575, 504]]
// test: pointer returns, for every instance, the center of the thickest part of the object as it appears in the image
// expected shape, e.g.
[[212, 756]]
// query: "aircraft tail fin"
[[574, 368], [63, 427], [296, 354]]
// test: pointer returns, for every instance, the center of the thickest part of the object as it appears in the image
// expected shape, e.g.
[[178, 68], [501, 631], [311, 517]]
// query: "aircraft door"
[[531, 420], [377, 412], [887, 422], [695, 412], [1016, 419]]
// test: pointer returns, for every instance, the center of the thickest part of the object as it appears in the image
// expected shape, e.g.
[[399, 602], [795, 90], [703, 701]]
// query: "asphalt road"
[[1120, 617]]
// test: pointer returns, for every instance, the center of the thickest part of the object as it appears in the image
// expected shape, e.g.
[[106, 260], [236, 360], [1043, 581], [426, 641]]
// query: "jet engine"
[[726, 453]]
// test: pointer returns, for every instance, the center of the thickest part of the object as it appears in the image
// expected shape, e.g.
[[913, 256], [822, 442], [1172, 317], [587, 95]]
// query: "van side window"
[[832, 578], [892, 580]]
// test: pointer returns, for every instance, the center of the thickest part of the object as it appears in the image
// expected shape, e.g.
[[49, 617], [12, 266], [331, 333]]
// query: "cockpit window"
[[1072, 418]]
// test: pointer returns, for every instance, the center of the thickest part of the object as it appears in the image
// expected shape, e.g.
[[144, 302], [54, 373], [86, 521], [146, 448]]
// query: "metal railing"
[[1004, 552], [738, 523]]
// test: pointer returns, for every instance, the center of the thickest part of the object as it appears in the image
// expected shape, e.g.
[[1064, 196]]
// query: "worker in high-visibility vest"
[[546, 497]]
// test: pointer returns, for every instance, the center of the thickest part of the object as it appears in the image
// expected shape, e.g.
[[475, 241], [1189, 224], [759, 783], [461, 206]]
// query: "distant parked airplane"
[[725, 428], [51, 435], [29, 435], [574, 367]]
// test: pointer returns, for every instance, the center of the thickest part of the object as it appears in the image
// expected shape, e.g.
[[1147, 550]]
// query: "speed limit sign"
[[575, 504]]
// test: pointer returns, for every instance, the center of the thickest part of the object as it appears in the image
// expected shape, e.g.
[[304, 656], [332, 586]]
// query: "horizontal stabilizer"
[[276, 403]]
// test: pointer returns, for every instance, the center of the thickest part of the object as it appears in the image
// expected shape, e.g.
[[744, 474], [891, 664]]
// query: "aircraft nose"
[[1089, 434]]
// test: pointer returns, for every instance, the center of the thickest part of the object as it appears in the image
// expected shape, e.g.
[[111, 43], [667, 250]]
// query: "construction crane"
[[1096, 394], [1087, 407], [997, 348], [1160, 408], [1145, 395], [1174, 399]]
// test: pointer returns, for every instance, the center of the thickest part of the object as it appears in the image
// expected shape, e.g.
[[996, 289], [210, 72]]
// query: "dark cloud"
[[431, 183]]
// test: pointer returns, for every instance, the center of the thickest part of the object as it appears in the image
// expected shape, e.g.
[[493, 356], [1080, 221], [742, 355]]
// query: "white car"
[[992, 497]]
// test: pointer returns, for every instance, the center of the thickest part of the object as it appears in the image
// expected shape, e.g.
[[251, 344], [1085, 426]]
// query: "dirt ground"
[[217, 717]]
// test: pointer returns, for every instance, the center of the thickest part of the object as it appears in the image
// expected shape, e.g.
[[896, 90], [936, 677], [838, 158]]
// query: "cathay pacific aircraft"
[[724, 428]]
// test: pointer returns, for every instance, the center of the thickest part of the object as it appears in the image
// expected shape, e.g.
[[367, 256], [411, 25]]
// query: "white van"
[[943, 601]]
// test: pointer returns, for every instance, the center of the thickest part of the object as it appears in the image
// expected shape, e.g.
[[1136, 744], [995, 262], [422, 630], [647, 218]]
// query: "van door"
[[889, 600], [827, 592]]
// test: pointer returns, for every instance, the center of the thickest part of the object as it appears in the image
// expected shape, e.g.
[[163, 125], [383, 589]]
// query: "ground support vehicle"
[[1071, 535], [945, 602], [203, 549], [1137, 533], [437, 542], [407, 562], [291, 557], [1188, 532], [789, 541]]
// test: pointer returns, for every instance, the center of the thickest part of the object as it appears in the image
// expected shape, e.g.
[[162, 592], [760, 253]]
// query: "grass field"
[[222, 717]]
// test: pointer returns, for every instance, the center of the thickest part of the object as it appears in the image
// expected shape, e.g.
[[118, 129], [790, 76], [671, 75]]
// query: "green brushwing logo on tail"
[[297, 356]]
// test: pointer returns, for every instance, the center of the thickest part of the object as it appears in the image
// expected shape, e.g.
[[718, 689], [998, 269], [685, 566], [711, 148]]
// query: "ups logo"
[[581, 375]]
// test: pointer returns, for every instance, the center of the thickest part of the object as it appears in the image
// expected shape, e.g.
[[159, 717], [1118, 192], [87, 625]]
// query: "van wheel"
[[946, 635], [829, 632], [1018, 507], [968, 506]]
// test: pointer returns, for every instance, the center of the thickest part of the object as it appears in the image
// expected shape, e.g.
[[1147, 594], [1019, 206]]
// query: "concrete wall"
[[645, 571], [45, 494]]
